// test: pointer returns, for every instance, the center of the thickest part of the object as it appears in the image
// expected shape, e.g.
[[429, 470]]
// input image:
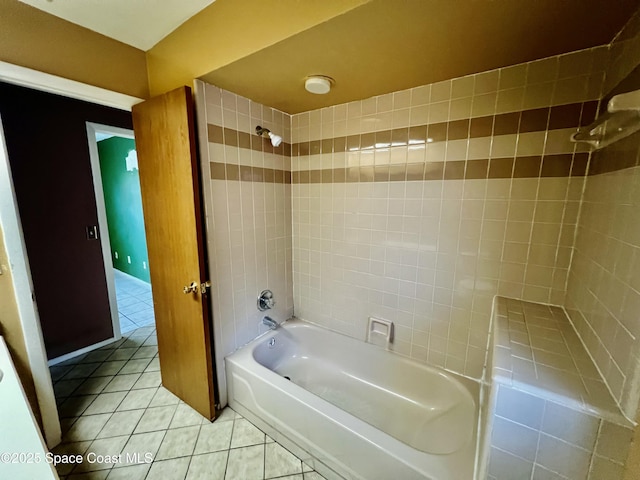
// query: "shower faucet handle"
[[265, 300]]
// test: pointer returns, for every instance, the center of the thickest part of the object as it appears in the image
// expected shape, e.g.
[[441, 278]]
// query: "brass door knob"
[[193, 288]]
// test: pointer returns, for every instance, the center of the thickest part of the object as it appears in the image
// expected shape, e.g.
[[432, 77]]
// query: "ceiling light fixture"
[[318, 84], [276, 140]]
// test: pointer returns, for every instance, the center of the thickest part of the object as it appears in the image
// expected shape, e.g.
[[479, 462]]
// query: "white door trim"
[[103, 227], [45, 82], [15, 243], [27, 309]]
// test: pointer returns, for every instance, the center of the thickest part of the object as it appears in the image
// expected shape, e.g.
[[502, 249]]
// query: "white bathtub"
[[355, 411]]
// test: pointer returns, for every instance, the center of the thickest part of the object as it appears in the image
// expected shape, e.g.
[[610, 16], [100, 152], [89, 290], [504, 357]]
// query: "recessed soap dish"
[[380, 332]]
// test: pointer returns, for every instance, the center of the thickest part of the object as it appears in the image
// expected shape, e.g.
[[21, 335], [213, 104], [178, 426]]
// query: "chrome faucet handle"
[[265, 300]]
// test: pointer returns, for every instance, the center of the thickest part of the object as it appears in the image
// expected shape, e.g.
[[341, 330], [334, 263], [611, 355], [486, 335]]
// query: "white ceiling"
[[139, 23]]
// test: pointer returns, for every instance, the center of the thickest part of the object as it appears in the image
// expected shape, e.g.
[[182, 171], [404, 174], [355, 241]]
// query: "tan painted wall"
[[231, 29], [34, 39], [11, 329]]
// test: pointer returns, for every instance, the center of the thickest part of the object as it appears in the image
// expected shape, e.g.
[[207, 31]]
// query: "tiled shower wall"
[[247, 191], [419, 206], [416, 206], [603, 297]]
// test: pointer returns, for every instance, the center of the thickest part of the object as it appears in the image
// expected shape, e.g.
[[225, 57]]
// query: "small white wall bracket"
[[380, 332], [621, 119]]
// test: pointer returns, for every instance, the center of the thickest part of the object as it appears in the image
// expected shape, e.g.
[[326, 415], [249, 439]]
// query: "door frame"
[[14, 242], [103, 226], [27, 308]]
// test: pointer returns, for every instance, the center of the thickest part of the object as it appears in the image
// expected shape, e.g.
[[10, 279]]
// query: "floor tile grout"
[[139, 337]]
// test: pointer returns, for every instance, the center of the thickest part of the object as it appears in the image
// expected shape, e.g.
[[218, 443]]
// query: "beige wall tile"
[[513, 77], [460, 108], [421, 95], [538, 95], [441, 91], [484, 104], [510, 100], [350, 247], [486, 82], [530, 144], [544, 70]]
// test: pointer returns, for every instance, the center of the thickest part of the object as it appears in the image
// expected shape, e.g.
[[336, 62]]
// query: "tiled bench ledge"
[[552, 415]]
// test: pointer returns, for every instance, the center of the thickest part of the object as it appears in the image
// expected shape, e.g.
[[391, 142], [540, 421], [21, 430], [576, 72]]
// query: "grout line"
[[140, 341]]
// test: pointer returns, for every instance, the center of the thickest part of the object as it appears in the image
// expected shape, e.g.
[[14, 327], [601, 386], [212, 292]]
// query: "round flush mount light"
[[318, 84]]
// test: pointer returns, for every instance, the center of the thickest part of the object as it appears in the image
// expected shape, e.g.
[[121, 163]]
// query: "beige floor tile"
[[151, 341], [142, 332], [122, 382], [214, 437], [164, 397], [76, 405], [186, 416], [82, 370], [93, 385], [157, 418], [226, 415], [278, 462], [105, 403], [97, 475], [170, 440], [102, 454], [245, 434], [109, 368], [76, 448], [313, 476], [136, 365], [148, 380], [133, 342], [121, 423], [154, 365], [246, 463], [137, 399], [122, 354], [210, 466], [59, 371], [132, 472], [174, 469], [86, 428], [178, 442], [97, 356], [145, 352], [66, 424], [142, 447], [64, 388]]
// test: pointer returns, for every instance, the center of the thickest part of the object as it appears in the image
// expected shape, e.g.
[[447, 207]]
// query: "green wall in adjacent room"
[[124, 207]]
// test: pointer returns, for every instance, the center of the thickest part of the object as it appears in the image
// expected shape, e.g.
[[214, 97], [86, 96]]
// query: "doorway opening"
[[116, 179]]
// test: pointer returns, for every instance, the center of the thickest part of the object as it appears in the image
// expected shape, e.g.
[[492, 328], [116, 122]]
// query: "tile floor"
[[111, 402], [135, 302]]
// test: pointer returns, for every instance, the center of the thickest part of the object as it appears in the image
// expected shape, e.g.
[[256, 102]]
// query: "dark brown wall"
[[49, 157]]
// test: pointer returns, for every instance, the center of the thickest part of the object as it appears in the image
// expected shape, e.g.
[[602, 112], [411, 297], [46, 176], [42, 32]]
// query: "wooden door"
[[165, 142]]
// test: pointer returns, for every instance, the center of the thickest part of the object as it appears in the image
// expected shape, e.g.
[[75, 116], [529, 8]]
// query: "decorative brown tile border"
[[564, 165], [245, 173], [526, 121], [536, 120]]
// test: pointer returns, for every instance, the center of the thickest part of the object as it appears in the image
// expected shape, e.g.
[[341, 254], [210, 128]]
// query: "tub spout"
[[270, 322]]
